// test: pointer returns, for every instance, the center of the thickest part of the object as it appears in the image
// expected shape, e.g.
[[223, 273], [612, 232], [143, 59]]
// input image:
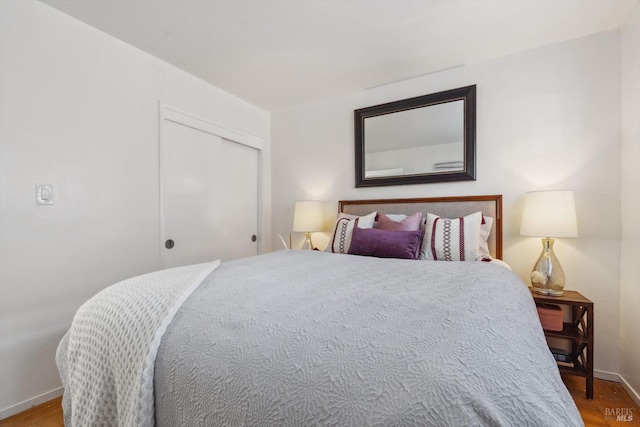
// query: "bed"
[[299, 338]]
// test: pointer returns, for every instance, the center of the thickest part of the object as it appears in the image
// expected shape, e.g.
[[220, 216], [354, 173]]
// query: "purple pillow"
[[385, 243], [410, 223]]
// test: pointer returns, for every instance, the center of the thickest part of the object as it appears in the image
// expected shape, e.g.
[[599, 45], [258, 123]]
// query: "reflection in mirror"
[[428, 138], [422, 140]]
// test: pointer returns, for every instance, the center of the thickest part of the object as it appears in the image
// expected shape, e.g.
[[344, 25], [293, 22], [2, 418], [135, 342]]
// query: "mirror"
[[430, 138]]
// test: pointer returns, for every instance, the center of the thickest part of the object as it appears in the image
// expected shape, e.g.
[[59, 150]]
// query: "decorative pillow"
[[341, 239], [395, 217], [485, 230], [410, 223], [456, 239], [385, 243]]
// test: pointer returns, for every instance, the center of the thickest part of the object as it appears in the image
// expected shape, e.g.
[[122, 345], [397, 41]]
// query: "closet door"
[[238, 199], [209, 197]]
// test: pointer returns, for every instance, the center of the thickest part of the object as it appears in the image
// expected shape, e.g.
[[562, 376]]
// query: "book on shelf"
[[561, 355]]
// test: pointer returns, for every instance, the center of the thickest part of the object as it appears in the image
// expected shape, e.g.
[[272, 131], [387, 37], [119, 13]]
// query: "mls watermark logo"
[[618, 414]]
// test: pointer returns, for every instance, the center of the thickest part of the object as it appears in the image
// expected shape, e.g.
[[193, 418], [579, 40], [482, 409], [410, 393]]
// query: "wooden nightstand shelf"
[[579, 331]]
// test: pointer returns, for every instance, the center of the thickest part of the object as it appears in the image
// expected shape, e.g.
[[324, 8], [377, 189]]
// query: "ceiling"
[[280, 53]]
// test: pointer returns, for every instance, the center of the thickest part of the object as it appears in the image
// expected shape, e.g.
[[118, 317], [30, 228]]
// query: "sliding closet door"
[[238, 199], [209, 197]]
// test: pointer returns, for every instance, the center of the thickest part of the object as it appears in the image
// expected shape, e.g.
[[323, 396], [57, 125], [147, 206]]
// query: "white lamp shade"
[[549, 214], [307, 217]]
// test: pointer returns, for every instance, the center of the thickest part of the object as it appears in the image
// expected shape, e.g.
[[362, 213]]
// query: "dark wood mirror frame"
[[466, 94]]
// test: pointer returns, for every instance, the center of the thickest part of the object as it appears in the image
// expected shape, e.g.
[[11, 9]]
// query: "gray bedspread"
[[299, 338]]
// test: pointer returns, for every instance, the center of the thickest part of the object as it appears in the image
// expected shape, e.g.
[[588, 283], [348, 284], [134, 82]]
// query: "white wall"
[[630, 283], [79, 110], [548, 118]]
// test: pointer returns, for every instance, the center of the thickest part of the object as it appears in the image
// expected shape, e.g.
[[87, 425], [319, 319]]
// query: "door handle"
[[169, 244], [254, 238]]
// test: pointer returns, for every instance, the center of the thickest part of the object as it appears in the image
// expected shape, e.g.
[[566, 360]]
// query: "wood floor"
[[609, 398], [49, 414]]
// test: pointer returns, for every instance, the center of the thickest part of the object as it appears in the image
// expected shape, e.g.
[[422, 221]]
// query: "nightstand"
[[579, 331]]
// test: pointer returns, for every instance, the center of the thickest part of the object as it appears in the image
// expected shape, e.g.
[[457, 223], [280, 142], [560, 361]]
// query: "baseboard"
[[606, 375], [30, 403], [627, 387]]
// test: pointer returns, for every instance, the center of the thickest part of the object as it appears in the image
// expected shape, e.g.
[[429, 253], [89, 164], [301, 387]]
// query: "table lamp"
[[548, 214], [307, 218]]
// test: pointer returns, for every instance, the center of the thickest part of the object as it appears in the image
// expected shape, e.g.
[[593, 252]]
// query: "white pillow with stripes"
[[485, 230], [343, 231], [452, 239]]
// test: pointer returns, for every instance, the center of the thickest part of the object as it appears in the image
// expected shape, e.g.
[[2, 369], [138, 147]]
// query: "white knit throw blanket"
[[113, 343]]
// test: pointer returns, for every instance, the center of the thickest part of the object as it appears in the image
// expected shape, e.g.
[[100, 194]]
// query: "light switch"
[[44, 194]]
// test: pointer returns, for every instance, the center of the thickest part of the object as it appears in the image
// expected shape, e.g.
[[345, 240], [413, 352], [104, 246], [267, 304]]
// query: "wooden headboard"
[[448, 207]]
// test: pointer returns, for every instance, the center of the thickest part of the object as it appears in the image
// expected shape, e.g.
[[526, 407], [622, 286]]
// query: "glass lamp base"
[[547, 291], [308, 244], [547, 277]]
